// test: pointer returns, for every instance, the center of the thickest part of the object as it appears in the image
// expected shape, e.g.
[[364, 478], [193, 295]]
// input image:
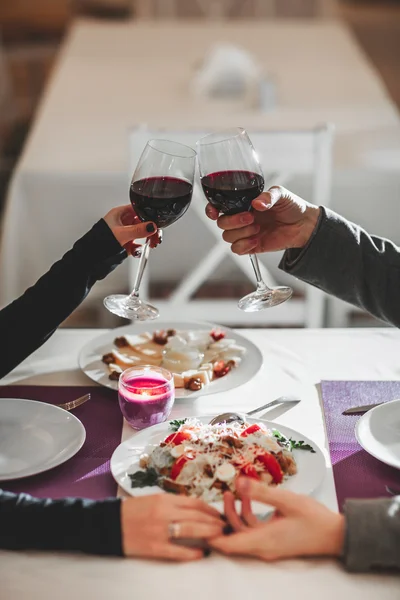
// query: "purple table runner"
[[357, 474], [87, 474]]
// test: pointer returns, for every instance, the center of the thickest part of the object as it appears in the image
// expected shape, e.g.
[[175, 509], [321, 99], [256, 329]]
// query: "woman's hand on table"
[[127, 227], [300, 526], [279, 220], [146, 522]]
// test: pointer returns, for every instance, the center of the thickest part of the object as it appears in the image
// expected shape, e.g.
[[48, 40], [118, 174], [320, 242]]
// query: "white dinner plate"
[[90, 356], [125, 461], [378, 432], [35, 437]]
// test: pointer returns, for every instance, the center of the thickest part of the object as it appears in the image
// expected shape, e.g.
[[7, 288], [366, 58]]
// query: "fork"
[[74, 403]]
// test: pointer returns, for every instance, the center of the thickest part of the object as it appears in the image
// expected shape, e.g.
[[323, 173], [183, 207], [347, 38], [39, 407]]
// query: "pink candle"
[[146, 395]]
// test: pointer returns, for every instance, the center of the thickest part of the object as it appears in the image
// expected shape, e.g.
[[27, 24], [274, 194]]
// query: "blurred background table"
[[110, 77]]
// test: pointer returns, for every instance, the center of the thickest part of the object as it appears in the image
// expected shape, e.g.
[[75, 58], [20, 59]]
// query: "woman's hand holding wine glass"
[[160, 193], [126, 227]]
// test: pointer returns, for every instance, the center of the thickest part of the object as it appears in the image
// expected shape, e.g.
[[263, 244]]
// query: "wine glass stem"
[[261, 286], [142, 265]]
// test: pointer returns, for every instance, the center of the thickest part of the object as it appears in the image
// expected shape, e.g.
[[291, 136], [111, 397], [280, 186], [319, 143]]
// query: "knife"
[[360, 410]]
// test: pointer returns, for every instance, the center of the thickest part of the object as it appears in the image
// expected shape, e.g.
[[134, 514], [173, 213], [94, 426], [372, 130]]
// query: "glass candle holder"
[[146, 395]]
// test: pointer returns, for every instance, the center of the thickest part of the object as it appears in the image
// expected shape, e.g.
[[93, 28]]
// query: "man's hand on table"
[[300, 526], [146, 521], [279, 220]]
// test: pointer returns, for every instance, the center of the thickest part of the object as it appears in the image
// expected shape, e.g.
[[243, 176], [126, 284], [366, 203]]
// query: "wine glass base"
[[265, 299], [129, 307]]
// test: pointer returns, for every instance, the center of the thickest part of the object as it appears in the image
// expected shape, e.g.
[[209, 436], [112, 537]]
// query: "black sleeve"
[[29, 321], [345, 261], [71, 524]]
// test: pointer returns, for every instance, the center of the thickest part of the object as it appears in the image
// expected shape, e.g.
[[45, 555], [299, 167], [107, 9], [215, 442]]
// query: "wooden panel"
[[41, 14]]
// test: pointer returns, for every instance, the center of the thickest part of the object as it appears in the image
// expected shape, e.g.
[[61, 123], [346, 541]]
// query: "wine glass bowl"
[[161, 191], [231, 192], [231, 177], [163, 200]]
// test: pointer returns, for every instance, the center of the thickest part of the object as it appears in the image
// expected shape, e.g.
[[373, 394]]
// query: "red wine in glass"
[[163, 200], [232, 192], [231, 178], [160, 191]]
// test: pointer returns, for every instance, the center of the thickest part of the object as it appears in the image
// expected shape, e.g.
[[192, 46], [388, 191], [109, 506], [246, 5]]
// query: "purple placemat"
[[357, 474], [87, 474]]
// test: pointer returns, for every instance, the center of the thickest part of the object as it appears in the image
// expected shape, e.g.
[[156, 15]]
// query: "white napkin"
[[228, 72]]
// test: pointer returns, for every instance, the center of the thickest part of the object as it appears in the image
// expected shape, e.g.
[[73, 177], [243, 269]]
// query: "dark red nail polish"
[[228, 529], [150, 228]]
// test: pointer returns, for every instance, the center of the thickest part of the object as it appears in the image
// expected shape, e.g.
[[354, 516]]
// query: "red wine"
[[162, 200], [232, 192]]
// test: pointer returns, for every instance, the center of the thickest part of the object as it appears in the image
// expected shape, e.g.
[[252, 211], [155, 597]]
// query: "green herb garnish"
[[174, 425], [144, 478], [291, 444]]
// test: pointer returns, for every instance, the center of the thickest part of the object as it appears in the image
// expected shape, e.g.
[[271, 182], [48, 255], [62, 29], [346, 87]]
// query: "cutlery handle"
[[360, 410], [75, 403], [256, 410]]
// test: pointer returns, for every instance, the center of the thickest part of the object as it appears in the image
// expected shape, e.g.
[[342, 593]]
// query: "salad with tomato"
[[203, 460]]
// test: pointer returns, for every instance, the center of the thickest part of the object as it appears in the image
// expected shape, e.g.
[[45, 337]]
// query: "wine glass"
[[160, 191], [231, 178]]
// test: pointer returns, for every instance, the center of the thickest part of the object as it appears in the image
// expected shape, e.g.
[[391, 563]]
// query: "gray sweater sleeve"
[[345, 261], [372, 534]]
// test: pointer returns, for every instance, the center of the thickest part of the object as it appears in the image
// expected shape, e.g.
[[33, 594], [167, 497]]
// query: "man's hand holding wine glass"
[[279, 220]]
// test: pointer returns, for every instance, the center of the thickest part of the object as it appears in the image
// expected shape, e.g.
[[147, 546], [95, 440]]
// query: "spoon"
[[230, 417]]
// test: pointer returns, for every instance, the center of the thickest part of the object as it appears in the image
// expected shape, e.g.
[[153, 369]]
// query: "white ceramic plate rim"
[[90, 356], [363, 422], [122, 454], [55, 462]]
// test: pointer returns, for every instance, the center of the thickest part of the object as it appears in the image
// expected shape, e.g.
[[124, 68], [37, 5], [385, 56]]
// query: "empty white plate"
[[378, 432], [35, 437]]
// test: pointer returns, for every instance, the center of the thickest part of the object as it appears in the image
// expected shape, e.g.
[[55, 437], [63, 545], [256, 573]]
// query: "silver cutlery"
[[360, 410], [230, 417], [392, 491], [74, 403]]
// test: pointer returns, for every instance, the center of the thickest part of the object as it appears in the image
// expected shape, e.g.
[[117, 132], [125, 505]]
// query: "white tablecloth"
[[295, 362], [110, 77]]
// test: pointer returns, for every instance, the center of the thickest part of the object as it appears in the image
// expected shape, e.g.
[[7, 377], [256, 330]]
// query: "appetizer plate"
[[91, 354], [35, 437], [126, 457], [378, 432]]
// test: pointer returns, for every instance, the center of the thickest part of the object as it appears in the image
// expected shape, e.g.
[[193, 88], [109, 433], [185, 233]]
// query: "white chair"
[[285, 153]]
